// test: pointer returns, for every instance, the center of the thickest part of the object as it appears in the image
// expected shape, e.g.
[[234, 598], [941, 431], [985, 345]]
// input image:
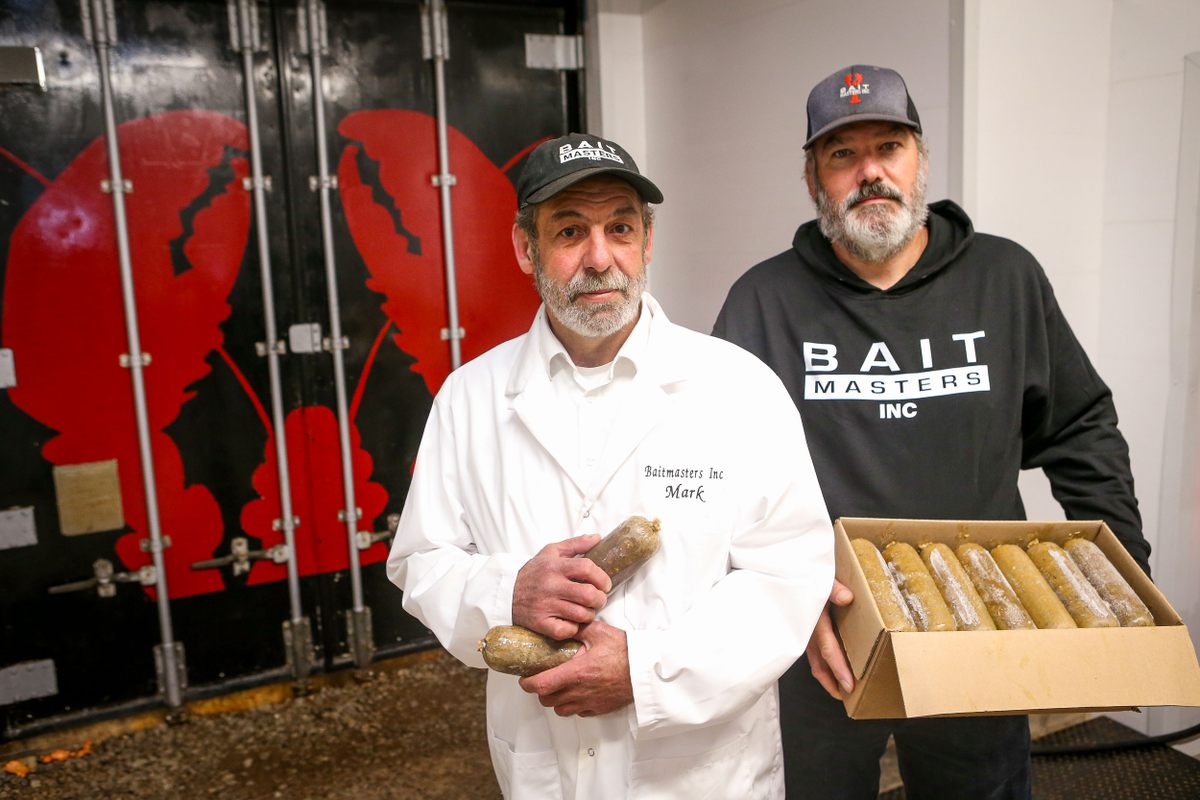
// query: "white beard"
[[876, 232], [593, 320]]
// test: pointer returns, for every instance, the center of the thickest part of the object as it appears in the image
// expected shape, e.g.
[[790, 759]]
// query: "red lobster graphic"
[[63, 313], [394, 215]]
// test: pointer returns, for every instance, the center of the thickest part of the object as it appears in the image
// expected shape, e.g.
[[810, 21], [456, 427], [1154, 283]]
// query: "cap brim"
[[853, 118], [645, 188]]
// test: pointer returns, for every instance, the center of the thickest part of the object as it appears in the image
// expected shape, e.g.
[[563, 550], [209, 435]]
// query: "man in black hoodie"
[[930, 364]]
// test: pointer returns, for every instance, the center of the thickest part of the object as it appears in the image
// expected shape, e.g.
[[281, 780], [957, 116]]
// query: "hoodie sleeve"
[[1069, 429]]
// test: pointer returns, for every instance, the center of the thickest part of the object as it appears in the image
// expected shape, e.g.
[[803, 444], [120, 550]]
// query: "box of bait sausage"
[[901, 674]]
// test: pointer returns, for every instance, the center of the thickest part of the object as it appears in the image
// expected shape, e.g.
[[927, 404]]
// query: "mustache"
[[876, 189], [612, 280]]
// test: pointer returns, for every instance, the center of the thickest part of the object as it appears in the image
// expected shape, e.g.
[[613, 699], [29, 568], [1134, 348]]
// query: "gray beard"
[[873, 233], [594, 320]]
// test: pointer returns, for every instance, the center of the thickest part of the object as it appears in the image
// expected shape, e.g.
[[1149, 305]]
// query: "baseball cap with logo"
[[561, 162], [859, 94]]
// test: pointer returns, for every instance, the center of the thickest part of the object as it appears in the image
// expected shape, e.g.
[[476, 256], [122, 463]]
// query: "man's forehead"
[[863, 130], [600, 190]]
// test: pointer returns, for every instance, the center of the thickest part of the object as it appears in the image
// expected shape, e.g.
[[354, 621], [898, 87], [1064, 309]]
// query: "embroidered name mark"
[[695, 477]]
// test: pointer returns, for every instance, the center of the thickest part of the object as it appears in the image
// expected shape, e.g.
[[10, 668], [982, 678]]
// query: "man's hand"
[[556, 593], [826, 658], [595, 681]]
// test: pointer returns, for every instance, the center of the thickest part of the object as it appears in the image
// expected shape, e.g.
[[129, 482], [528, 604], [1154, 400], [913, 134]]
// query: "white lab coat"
[[709, 442]]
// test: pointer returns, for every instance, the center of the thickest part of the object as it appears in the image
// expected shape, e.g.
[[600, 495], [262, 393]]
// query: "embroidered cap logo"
[[600, 151], [855, 87]]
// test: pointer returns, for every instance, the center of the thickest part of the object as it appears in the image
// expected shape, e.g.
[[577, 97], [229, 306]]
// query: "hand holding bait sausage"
[[519, 651]]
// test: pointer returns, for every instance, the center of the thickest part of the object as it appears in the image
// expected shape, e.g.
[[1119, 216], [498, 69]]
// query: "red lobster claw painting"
[[189, 222], [188, 225]]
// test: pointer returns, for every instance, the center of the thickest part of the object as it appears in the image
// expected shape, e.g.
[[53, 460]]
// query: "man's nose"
[[869, 170], [598, 253]]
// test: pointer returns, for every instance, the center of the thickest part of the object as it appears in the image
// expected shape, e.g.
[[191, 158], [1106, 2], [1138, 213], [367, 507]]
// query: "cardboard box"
[[1007, 672]]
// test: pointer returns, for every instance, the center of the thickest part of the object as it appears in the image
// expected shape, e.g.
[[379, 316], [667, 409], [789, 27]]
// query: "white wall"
[[725, 87], [615, 79], [1149, 350], [1034, 143], [1180, 506]]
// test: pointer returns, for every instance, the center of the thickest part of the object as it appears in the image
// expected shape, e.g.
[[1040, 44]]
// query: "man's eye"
[[890, 146], [622, 228], [842, 153], [569, 232]]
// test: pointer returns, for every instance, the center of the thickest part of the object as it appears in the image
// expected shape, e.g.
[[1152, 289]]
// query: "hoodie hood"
[[950, 232]]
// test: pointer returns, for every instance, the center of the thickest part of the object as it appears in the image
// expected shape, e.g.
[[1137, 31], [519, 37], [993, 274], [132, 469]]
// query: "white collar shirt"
[[592, 393]]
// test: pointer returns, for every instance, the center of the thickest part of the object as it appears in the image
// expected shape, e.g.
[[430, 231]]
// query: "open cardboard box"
[[1007, 672]]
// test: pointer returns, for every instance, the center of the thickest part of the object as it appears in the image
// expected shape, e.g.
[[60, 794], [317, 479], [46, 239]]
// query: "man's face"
[[868, 182], [589, 258]]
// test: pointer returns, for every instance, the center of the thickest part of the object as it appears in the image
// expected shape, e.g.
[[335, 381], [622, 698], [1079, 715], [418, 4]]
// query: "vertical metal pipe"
[[264, 265], [335, 319], [446, 178], [170, 667]]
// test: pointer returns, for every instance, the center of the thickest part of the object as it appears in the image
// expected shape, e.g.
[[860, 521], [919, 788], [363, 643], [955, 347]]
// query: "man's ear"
[[520, 241]]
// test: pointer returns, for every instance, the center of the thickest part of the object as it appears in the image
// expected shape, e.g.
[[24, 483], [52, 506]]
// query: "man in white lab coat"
[[605, 409]]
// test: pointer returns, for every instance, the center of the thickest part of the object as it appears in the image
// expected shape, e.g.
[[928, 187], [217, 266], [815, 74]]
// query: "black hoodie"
[[927, 399]]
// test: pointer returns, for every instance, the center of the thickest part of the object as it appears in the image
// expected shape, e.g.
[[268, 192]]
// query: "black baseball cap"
[[561, 162], [859, 93]]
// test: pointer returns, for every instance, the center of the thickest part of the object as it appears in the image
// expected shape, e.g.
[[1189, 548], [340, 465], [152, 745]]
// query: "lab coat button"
[[591, 751], [587, 512]]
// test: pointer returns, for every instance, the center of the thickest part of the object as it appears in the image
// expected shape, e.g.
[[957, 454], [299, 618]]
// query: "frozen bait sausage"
[[519, 651], [514, 650], [1032, 589], [997, 594], [1115, 590], [970, 612], [1083, 603], [917, 586], [893, 609], [626, 548]]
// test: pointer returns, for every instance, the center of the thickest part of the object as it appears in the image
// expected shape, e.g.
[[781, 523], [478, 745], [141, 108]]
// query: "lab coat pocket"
[[524, 776], [719, 774]]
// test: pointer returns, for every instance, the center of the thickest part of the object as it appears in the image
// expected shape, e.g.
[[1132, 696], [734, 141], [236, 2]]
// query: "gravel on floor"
[[412, 729]]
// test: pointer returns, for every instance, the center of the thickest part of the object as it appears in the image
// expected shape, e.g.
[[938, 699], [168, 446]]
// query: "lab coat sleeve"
[[455, 590], [744, 631]]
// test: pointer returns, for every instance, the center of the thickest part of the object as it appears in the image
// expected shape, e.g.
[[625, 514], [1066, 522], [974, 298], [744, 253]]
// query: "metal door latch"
[[264, 183], [147, 545], [364, 539], [343, 343], [241, 556], [279, 348], [105, 579]]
